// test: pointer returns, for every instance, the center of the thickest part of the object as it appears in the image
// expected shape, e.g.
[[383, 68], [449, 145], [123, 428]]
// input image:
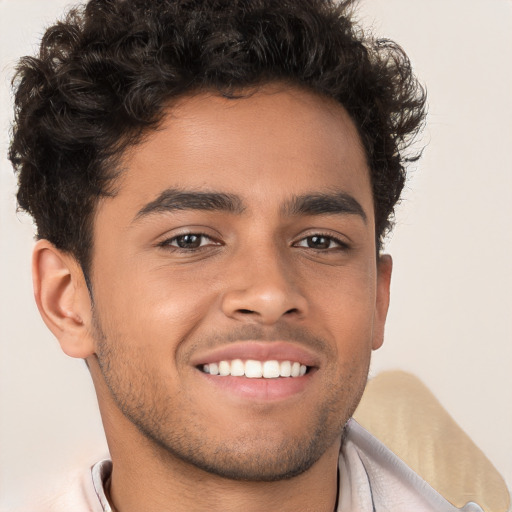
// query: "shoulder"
[[371, 472], [80, 491]]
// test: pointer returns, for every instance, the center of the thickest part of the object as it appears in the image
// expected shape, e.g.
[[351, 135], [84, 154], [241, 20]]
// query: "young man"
[[211, 182]]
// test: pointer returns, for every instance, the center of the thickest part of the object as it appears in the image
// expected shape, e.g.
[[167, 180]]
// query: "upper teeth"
[[256, 369]]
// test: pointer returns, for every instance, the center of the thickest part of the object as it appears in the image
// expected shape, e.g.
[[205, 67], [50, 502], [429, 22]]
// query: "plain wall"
[[450, 320]]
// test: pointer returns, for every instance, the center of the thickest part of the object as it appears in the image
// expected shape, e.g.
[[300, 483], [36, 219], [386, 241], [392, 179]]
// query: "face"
[[237, 296]]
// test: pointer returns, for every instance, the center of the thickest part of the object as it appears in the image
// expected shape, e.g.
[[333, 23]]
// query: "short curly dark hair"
[[106, 72]]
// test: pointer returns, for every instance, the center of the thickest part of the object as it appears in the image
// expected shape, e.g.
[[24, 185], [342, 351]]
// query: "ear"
[[62, 298], [384, 268]]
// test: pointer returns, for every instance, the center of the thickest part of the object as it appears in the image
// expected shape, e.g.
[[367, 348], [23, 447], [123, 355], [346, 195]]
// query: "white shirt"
[[372, 479]]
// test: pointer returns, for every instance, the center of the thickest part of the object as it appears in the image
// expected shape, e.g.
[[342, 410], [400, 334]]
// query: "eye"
[[189, 241], [321, 243]]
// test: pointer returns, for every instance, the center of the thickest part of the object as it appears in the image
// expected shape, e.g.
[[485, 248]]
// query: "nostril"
[[246, 311], [251, 312]]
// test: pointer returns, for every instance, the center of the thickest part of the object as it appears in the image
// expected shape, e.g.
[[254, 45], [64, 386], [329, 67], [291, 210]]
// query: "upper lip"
[[259, 351]]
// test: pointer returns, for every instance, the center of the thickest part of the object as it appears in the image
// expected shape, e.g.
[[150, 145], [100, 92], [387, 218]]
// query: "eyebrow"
[[174, 199], [322, 204], [308, 204]]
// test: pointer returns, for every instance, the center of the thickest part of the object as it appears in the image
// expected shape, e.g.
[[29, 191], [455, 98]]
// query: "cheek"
[[155, 308], [139, 294], [345, 303]]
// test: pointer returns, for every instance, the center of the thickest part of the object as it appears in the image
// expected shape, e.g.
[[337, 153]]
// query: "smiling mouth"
[[253, 369]]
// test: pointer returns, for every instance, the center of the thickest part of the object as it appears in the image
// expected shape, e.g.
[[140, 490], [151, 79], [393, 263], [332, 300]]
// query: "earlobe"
[[62, 298], [384, 268]]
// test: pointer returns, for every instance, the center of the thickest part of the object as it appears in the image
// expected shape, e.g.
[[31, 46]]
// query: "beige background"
[[451, 316]]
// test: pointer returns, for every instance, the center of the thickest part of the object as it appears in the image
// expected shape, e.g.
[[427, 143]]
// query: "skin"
[[258, 277]]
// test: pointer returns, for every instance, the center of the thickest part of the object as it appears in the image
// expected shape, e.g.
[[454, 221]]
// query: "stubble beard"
[[247, 456]]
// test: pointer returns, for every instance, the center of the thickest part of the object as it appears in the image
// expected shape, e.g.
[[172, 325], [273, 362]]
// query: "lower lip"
[[260, 389]]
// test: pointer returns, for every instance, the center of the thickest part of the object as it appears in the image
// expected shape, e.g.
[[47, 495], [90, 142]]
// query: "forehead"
[[268, 143]]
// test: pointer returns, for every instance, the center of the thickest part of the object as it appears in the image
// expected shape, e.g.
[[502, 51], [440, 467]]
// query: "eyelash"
[[340, 244], [168, 243]]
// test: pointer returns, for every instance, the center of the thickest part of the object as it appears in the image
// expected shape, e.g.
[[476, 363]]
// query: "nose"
[[263, 290]]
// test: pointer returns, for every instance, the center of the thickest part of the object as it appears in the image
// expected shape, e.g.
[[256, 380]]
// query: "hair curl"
[[105, 73]]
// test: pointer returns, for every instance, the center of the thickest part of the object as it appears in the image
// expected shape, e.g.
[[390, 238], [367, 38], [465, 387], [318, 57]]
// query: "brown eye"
[[189, 241], [319, 242]]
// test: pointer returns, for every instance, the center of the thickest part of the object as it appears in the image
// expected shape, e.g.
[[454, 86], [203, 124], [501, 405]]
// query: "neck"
[[145, 484], [146, 477]]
